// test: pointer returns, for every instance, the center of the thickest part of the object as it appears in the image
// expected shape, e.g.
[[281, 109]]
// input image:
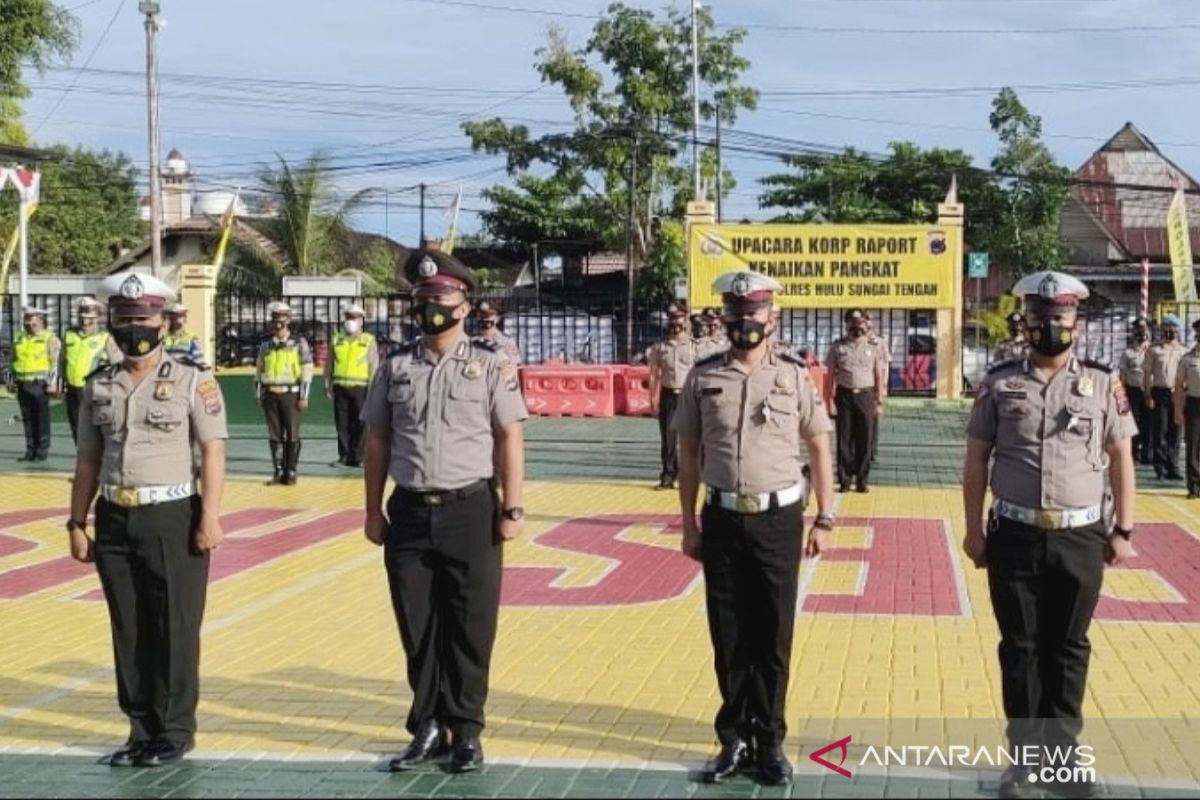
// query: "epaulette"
[[111, 369], [1105, 368], [710, 359], [400, 349], [191, 362], [791, 357], [1002, 365], [485, 343]]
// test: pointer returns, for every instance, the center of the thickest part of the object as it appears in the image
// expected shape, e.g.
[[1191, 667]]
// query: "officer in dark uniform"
[[749, 410], [444, 417], [1132, 369], [1048, 429], [857, 363], [1187, 412], [155, 522]]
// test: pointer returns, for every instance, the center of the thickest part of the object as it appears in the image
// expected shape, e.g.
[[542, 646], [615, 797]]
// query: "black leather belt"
[[434, 498]]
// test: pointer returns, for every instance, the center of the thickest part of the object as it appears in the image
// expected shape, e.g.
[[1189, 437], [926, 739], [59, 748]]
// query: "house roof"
[[1127, 186], [27, 155], [244, 235]]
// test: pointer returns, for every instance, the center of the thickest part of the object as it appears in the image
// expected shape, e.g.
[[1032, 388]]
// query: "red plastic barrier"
[[633, 390], [821, 378], [568, 391], [916, 372]]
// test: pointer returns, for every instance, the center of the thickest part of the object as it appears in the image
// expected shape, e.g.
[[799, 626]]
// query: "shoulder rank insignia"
[[1105, 368], [191, 362], [1002, 365], [710, 359], [484, 343]]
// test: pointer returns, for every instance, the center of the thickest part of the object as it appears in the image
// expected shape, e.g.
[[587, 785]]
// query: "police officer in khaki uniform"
[[353, 359], [1132, 370], [859, 371], [85, 347], [1048, 429], [1162, 363], [489, 328], [35, 361], [444, 418], [749, 410], [884, 357], [1187, 412], [1015, 347], [157, 520], [282, 382], [670, 362]]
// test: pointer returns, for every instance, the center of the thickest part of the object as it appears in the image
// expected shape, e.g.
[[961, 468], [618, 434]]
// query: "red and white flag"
[[1146, 287], [4, 171], [28, 183]]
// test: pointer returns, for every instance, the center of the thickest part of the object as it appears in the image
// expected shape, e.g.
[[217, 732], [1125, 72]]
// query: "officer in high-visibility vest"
[[85, 348], [35, 372], [179, 341], [282, 379], [353, 359]]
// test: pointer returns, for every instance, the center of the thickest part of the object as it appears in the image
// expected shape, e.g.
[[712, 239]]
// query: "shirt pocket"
[[1079, 428], [164, 423], [467, 403], [720, 413]]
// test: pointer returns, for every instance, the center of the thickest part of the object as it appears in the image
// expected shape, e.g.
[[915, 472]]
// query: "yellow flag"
[[1180, 242], [226, 231]]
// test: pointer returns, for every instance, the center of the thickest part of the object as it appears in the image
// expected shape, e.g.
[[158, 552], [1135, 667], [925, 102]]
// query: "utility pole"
[[386, 231], [422, 241], [629, 246], [717, 117], [151, 8], [696, 102]]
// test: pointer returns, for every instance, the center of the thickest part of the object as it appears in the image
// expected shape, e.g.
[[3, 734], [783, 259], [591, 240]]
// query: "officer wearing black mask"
[[1132, 368], [1162, 366]]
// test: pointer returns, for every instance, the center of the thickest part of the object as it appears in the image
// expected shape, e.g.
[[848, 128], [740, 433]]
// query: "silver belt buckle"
[[1047, 520], [748, 504]]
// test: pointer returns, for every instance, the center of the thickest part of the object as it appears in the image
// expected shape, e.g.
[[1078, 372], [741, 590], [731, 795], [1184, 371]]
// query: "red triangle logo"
[[840, 744]]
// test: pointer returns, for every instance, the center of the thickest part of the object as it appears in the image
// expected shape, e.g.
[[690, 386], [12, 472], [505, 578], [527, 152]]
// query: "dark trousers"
[[1191, 438], [34, 403], [283, 416], [347, 408], [443, 566], [668, 400], [751, 565], [1164, 432], [73, 396], [155, 585], [1142, 451], [855, 434], [1044, 587]]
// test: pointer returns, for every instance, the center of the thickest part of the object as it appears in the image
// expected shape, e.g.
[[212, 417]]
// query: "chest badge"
[[1014, 384], [783, 382], [163, 390], [1084, 387], [473, 369]]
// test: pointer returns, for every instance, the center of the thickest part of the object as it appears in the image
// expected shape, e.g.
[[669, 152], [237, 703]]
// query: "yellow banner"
[[1180, 242], [830, 266]]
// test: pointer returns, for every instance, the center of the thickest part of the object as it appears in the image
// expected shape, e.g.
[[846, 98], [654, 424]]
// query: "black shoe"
[[27, 457], [466, 754], [733, 757], [354, 464], [428, 743], [129, 753], [843, 488], [1193, 494], [1174, 476], [161, 752], [289, 478], [861, 487], [1014, 782], [774, 769]]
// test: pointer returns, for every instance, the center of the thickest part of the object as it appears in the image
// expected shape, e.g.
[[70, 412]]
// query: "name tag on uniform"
[[1015, 395], [711, 391], [96, 401], [402, 381]]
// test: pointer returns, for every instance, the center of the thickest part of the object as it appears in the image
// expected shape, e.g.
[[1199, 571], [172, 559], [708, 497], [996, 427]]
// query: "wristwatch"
[[1127, 535], [825, 521], [72, 524], [514, 514]]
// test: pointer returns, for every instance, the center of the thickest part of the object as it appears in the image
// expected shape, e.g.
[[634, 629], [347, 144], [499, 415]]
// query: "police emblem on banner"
[[937, 242]]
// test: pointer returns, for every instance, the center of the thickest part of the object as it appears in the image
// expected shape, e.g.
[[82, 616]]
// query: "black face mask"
[[674, 330], [489, 325], [1141, 336], [858, 331], [746, 334], [1169, 334], [137, 341], [1051, 338], [434, 318]]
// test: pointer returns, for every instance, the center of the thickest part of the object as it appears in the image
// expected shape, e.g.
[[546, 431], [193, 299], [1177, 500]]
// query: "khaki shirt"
[[1132, 365], [673, 358], [442, 415], [1049, 438], [855, 361], [1189, 372], [507, 344], [1011, 350], [751, 423], [708, 345], [144, 435], [1162, 361]]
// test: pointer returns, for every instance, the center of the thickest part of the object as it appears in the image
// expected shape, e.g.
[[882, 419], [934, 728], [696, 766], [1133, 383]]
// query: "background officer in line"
[[282, 381], [756, 400], [444, 418], [1015, 347], [1187, 412], [353, 359], [885, 360], [36, 353], [860, 375], [1162, 363], [179, 341], [85, 347], [138, 422], [489, 328], [670, 362], [1050, 428], [1132, 370]]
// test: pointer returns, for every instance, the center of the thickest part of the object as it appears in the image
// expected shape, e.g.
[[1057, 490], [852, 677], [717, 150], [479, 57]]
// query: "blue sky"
[[410, 70]]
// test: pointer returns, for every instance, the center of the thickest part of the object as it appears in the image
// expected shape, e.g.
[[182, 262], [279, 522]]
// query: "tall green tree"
[[32, 33], [87, 213], [312, 223], [626, 88]]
